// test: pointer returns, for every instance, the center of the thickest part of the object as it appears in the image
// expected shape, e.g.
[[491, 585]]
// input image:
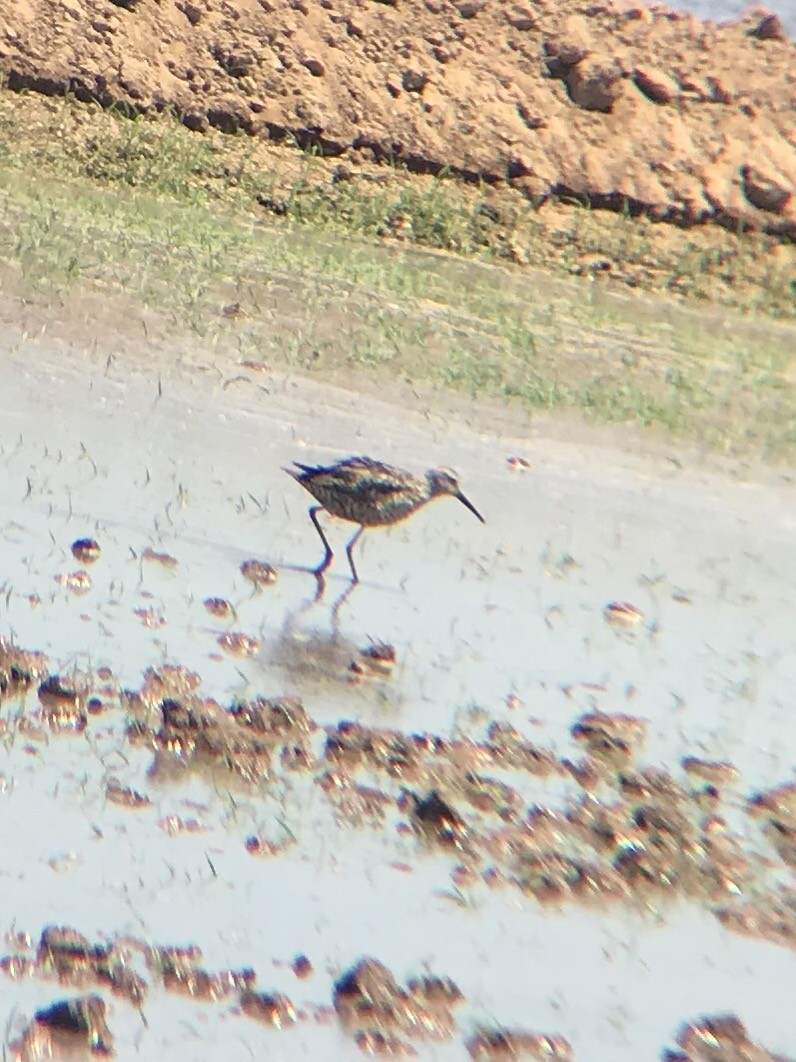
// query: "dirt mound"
[[624, 105]]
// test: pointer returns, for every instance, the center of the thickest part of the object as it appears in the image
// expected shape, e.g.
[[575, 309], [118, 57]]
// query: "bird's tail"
[[305, 470]]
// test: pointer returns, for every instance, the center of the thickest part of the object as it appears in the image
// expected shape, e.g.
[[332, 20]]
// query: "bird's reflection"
[[319, 595], [318, 657], [324, 655]]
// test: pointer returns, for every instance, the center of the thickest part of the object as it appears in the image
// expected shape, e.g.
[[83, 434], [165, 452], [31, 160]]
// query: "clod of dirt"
[[66, 950], [770, 28], [779, 802], [718, 1039], [180, 973], [376, 660], [712, 771], [169, 681], [772, 917], [150, 617], [439, 991], [588, 772], [552, 877], [302, 967], [355, 804], [623, 614], [468, 756], [489, 795], [258, 846], [173, 825], [74, 960], [20, 668], [77, 582], [777, 808], [67, 1027], [259, 573], [63, 708], [202, 733], [351, 744], [218, 607], [165, 560], [436, 820], [283, 718], [656, 84], [615, 738], [379, 1044], [270, 1008], [595, 83], [518, 464], [125, 796], [17, 967], [86, 550], [511, 749], [495, 1045], [237, 644], [370, 1003]]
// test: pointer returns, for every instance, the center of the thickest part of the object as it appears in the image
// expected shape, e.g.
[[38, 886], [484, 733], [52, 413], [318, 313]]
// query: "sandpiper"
[[371, 494]]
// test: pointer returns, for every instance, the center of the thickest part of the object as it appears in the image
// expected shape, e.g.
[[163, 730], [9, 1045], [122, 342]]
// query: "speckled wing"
[[360, 490]]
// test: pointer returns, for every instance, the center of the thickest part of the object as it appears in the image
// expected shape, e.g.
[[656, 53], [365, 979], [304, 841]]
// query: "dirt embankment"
[[609, 100]]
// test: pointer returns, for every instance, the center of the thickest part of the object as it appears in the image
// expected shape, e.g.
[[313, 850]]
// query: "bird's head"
[[444, 481]]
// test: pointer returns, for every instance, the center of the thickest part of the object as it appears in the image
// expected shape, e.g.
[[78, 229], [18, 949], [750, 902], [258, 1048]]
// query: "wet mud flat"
[[527, 791], [628, 835]]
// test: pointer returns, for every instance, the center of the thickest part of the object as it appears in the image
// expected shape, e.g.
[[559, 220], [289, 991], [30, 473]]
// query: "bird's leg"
[[337, 606], [348, 550], [327, 559]]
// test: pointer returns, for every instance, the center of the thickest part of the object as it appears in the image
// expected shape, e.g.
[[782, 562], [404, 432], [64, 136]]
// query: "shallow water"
[[723, 10], [138, 456]]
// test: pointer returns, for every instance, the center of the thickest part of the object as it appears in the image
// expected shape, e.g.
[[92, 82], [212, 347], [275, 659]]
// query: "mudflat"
[[488, 800]]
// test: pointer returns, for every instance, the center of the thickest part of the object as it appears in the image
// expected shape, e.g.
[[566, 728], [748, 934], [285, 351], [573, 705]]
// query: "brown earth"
[[658, 835], [623, 105], [370, 1005]]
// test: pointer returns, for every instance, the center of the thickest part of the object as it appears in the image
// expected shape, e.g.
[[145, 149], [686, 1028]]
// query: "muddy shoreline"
[[629, 835]]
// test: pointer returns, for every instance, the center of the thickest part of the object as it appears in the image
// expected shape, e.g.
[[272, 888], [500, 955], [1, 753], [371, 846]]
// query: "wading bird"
[[371, 494]]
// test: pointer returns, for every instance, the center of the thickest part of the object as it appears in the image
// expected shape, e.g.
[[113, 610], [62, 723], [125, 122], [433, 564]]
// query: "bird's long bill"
[[470, 506]]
